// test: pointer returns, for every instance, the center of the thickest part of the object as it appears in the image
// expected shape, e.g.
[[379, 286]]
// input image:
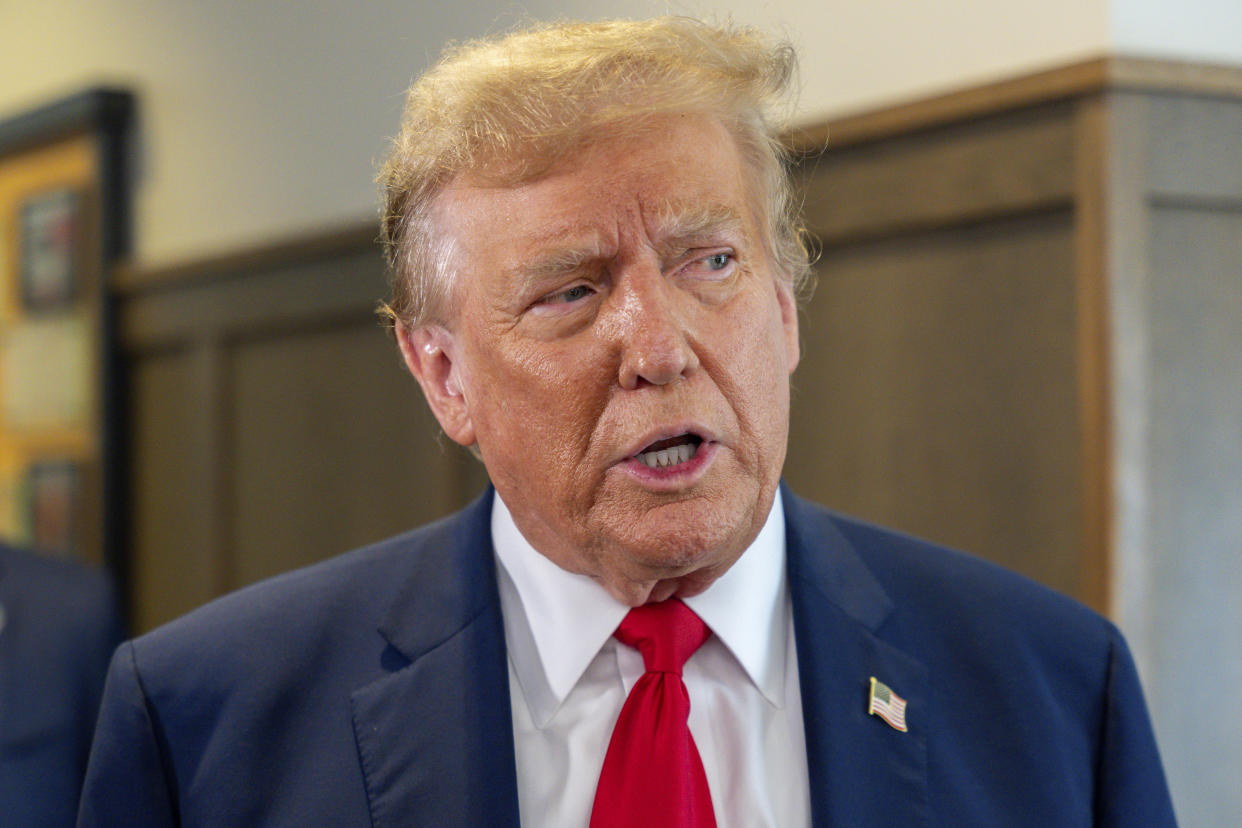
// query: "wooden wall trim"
[[1091, 234], [131, 279], [1211, 80], [253, 303], [988, 99], [987, 169], [1075, 80]]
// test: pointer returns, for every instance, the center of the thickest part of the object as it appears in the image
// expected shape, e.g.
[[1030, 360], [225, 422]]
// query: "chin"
[[672, 553], [699, 528], [673, 540]]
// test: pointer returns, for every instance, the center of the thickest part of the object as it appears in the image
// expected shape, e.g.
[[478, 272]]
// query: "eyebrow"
[[679, 221], [675, 226], [559, 261]]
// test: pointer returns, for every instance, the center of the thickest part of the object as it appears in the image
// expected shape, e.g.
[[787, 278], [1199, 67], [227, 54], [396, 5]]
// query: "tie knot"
[[666, 634]]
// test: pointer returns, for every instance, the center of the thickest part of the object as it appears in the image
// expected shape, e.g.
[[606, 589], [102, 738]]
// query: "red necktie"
[[653, 776]]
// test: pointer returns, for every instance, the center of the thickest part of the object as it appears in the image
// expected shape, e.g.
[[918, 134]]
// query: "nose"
[[653, 336]]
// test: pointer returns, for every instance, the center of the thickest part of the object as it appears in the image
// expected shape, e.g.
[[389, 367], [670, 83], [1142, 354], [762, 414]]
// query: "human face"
[[620, 304]]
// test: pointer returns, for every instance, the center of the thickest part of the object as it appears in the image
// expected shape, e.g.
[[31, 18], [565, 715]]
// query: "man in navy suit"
[[595, 268], [58, 627]]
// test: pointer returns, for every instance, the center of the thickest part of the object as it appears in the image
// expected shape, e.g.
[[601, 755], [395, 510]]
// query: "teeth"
[[669, 456]]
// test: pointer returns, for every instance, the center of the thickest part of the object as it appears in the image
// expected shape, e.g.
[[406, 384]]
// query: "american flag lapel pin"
[[886, 704]]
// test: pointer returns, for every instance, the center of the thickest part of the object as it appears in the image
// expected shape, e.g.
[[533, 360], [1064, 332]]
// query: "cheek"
[[755, 373], [538, 405], [756, 345]]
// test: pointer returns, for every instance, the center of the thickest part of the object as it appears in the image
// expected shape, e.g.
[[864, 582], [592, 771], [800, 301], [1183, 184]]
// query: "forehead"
[[677, 172]]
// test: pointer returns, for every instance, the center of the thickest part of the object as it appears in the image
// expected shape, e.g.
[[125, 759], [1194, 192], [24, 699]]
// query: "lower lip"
[[672, 478]]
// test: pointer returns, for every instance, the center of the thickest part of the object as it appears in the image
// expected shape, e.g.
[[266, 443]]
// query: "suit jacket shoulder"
[[941, 591], [1020, 701], [271, 706], [321, 613]]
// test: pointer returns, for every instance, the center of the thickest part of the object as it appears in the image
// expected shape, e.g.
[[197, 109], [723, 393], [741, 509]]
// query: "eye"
[[565, 297], [713, 265]]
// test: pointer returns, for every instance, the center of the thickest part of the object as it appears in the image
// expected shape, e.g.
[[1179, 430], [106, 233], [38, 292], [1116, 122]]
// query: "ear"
[[431, 354], [789, 321]]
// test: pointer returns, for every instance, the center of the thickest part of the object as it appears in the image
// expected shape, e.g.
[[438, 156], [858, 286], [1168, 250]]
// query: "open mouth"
[[664, 453]]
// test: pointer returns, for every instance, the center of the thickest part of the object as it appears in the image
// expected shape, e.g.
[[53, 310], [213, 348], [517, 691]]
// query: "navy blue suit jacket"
[[372, 690], [60, 626]]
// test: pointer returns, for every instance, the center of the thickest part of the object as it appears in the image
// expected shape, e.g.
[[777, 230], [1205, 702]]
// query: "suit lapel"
[[435, 735], [862, 771]]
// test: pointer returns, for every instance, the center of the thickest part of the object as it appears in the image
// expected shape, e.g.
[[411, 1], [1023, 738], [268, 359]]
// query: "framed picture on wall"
[[50, 237], [64, 195]]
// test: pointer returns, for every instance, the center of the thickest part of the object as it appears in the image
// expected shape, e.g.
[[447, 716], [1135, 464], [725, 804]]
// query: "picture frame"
[[50, 239]]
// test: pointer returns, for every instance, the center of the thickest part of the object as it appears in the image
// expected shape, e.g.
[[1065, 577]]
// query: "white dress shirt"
[[568, 679]]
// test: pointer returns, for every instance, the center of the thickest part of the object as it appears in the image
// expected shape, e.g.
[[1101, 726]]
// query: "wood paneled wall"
[[940, 390], [273, 423], [983, 283]]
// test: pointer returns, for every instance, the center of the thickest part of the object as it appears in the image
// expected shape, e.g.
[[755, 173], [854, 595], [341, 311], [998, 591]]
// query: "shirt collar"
[[557, 621]]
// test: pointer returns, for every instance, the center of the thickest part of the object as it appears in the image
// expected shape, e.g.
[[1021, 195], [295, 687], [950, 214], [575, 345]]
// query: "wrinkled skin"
[[622, 298]]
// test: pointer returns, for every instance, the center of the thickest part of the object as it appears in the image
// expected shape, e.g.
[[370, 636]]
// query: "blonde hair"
[[508, 108]]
